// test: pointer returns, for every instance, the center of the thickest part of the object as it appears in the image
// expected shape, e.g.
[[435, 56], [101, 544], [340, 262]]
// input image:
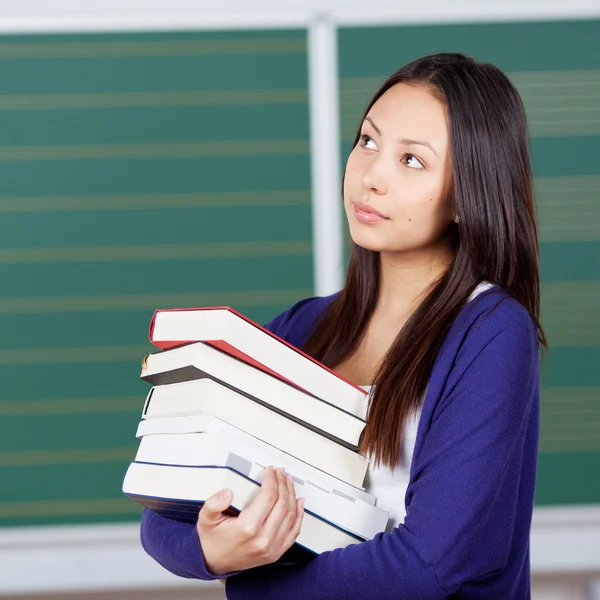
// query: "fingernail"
[[225, 494]]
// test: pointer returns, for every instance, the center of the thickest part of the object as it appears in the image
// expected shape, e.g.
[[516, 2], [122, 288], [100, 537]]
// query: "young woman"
[[439, 314]]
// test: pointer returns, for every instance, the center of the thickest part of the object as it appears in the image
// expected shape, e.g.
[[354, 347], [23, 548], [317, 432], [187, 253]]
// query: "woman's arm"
[[463, 496], [220, 545], [174, 545]]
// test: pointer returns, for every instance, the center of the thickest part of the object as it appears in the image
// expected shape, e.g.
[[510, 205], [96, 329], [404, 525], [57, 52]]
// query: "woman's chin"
[[368, 242]]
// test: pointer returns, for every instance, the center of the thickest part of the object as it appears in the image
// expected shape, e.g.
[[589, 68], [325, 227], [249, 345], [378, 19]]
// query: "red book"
[[232, 332]]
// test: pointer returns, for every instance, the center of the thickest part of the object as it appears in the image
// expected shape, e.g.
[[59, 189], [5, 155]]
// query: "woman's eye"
[[410, 160], [367, 142]]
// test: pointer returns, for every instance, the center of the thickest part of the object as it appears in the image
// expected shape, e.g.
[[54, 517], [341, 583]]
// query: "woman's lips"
[[367, 214]]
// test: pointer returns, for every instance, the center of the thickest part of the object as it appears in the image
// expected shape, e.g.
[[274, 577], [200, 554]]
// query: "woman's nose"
[[373, 179]]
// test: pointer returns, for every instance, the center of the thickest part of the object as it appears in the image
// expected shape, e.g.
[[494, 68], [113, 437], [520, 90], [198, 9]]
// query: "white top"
[[387, 485]]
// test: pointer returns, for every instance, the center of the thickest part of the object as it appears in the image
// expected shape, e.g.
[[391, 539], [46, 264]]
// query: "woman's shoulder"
[[497, 306], [494, 339], [493, 312], [296, 323]]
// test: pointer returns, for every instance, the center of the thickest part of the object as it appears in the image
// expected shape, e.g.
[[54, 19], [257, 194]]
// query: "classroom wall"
[[154, 159]]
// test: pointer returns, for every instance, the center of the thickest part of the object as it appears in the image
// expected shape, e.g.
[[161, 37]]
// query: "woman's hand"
[[259, 535]]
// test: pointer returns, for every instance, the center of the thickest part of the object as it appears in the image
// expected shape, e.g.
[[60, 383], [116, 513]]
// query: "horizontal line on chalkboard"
[[55, 508], [569, 439], [152, 99], [558, 103], [46, 304], [568, 208], [571, 231], [538, 127], [549, 104], [558, 413], [153, 150], [151, 301], [571, 431], [274, 198], [72, 406], [71, 456], [588, 428], [568, 395], [564, 128], [569, 446], [592, 107], [570, 419], [563, 80], [552, 78], [156, 252], [578, 338], [128, 49], [566, 183], [569, 313], [76, 354]]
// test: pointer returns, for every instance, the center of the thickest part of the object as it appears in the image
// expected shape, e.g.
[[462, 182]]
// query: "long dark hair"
[[496, 241]]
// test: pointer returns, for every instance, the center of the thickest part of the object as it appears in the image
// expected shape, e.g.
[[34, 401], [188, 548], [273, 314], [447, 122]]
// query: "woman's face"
[[398, 175]]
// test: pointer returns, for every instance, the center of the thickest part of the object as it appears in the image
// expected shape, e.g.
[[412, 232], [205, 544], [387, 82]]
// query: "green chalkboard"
[[556, 67], [148, 170], [136, 171]]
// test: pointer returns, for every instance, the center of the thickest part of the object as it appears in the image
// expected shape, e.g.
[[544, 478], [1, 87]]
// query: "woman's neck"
[[404, 280]]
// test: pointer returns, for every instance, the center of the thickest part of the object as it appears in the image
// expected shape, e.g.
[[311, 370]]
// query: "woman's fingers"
[[283, 514], [271, 523], [294, 532], [259, 535], [212, 510], [292, 503], [254, 516]]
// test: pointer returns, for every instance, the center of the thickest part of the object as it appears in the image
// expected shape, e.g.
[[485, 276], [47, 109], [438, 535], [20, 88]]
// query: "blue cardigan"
[[470, 496]]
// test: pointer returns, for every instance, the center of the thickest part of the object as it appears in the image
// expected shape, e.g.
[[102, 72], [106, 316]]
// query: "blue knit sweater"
[[470, 496]]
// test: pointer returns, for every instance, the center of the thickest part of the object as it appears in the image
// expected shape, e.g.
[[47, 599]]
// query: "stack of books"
[[229, 398]]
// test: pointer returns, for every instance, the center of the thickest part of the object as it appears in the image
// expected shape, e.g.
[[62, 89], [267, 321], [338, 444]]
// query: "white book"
[[255, 419], [266, 454], [178, 492], [226, 450], [226, 328], [199, 360]]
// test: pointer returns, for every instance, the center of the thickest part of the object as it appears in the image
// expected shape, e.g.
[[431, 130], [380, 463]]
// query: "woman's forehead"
[[408, 111]]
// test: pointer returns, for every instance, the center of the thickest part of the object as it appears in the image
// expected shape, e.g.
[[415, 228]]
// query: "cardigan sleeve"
[[462, 499], [174, 545]]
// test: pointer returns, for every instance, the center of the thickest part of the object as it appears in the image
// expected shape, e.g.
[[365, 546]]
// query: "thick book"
[[260, 422], [225, 449], [261, 452], [199, 360], [234, 333], [178, 492]]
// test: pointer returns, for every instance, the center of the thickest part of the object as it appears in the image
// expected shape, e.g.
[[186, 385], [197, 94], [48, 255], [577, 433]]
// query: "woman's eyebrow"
[[373, 125], [416, 143], [405, 141]]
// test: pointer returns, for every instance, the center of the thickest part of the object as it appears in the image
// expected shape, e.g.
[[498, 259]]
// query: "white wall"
[[88, 15], [565, 556]]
